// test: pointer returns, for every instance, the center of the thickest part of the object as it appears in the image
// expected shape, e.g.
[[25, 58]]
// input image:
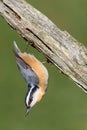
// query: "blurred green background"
[[64, 106]]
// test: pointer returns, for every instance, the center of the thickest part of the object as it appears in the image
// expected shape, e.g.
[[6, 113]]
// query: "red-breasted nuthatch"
[[35, 75]]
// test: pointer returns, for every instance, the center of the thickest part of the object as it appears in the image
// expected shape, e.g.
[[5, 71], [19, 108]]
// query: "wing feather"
[[27, 72], [29, 75]]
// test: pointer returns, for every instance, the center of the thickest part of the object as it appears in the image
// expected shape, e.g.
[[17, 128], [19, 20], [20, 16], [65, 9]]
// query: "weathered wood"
[[58, 46]]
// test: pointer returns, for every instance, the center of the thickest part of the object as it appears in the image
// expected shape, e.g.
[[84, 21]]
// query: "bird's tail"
[[16, 49]]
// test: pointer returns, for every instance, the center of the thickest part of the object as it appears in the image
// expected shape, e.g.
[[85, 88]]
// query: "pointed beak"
[[27, 111]]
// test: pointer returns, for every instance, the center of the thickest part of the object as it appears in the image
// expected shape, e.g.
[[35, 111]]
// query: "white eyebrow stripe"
[[28, 95]]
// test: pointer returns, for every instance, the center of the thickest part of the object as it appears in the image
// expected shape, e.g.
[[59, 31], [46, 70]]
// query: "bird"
[[35, 74]]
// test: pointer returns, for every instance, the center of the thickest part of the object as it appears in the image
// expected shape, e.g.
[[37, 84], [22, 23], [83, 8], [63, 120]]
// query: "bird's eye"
[[30, 100]]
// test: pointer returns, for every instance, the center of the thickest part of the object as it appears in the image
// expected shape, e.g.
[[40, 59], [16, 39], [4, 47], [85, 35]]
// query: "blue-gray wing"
[[29, 75]]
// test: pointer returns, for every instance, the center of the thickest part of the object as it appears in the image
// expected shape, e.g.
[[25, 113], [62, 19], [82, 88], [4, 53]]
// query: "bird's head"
[[33, 96]]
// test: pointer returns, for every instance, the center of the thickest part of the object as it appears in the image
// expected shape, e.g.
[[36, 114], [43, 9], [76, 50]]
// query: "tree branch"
[[61, 49]]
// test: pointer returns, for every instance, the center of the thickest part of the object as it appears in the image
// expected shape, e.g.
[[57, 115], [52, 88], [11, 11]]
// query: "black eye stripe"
[[30, 100], [31, 94], [35, 88], [33, 91]]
